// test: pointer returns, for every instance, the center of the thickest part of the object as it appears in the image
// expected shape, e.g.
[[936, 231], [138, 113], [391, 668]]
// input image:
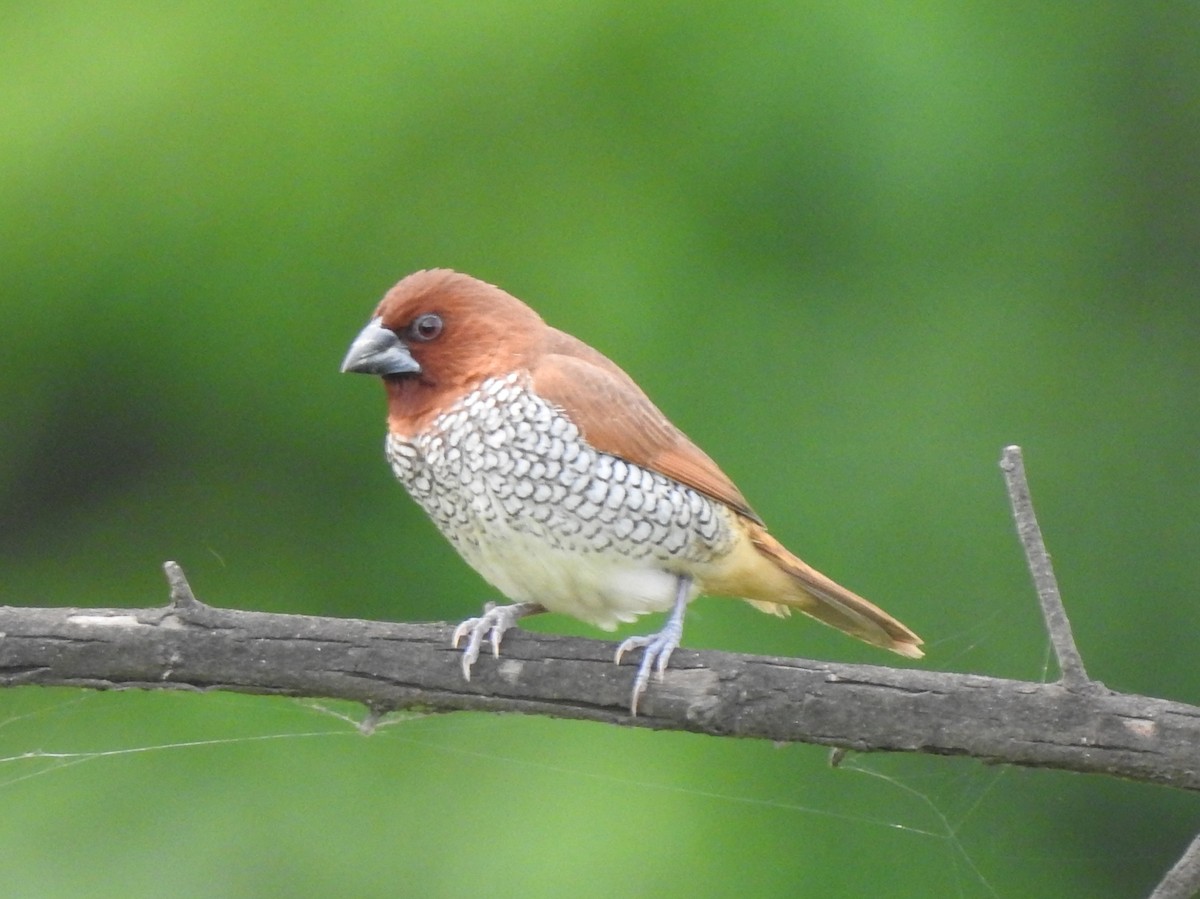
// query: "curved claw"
[[493, 623], [656, 648]]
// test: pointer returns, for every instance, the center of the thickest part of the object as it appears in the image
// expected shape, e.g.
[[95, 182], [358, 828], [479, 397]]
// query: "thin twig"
[[1070, 663], [1183, 880], [182, 597]]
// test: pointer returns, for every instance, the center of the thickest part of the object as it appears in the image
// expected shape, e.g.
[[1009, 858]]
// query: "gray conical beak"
[[378, 351]]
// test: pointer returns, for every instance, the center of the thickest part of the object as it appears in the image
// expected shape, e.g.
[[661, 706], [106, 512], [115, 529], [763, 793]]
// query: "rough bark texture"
[[1075, 724], [191, 646]]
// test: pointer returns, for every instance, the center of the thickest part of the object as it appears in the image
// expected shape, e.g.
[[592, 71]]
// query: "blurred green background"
[[852, 248]]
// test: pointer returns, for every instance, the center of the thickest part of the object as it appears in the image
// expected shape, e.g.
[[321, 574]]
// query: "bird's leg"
[[657, 648], [494, 621]]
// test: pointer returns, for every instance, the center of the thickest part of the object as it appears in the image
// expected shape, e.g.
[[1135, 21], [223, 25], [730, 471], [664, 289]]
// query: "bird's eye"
[[427, 326]]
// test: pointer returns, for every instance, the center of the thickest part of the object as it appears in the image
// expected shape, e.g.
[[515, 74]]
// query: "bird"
[[559, 481]]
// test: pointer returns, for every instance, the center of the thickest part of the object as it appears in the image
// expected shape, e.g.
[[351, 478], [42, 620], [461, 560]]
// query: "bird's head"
[[436, 335]]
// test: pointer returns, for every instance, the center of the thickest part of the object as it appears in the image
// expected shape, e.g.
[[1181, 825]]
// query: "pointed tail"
[[824, 599]]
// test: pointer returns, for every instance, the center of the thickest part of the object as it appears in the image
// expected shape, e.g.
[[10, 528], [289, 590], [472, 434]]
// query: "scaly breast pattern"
[[545, 517]]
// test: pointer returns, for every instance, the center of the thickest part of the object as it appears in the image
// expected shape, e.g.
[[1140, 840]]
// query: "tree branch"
[[1075, 724], [1070, 663], [1183, 880], [191, 646]]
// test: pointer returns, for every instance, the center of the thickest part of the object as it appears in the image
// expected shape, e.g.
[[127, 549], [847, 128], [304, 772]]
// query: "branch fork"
[[1070, 663], [1074, 724]]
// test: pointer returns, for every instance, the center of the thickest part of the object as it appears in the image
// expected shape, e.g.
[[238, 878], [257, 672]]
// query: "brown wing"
[[616, 417]]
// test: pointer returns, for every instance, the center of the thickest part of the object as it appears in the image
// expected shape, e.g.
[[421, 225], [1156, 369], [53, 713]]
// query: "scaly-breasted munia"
[[559, 481]]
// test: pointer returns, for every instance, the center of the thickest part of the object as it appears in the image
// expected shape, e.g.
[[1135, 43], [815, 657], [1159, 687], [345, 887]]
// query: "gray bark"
[[191, 646]]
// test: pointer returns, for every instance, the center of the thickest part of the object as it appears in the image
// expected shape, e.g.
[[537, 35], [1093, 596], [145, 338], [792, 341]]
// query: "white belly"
[[547, 518], [602, 589]]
